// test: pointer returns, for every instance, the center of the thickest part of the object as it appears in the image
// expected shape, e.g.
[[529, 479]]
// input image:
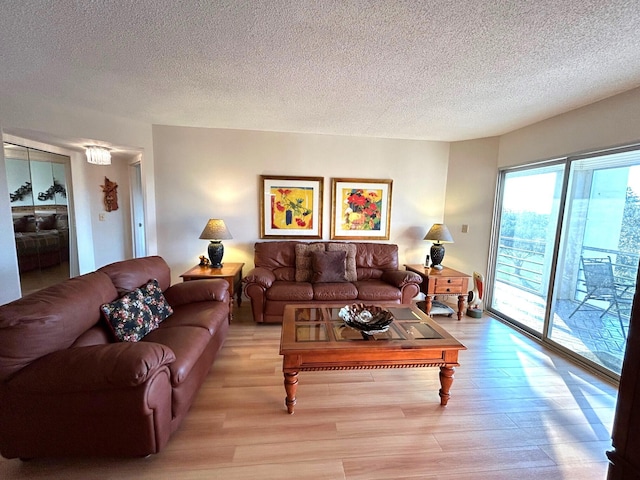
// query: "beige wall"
[[192, 174], [213, 173], [471, 184], [611, 122]]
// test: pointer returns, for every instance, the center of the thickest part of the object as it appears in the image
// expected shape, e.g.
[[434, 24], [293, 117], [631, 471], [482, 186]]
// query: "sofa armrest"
[[400, 278], [203, 290], [262, 276], [96, 367]]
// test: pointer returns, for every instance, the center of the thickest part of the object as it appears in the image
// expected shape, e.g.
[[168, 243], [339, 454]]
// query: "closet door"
[[39, 207]]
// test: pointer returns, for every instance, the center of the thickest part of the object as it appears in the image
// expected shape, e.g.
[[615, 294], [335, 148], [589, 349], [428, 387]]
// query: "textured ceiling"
[[437, 70]]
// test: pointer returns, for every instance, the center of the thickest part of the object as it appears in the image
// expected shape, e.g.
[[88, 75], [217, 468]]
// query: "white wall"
[[112, 233], [70, 128], [471, 184], [214, 173]]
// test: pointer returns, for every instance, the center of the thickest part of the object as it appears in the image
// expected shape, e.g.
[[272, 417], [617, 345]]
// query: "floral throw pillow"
[[154, 298], [137, 313]]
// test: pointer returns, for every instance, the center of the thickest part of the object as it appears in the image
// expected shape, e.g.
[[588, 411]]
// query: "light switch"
[[101, 217], [465, 228]]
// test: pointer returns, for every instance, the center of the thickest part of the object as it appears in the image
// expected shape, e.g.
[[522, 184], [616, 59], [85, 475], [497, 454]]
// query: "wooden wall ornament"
[[110, 190]]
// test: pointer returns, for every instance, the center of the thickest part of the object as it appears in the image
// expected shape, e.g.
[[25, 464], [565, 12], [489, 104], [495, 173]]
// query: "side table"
[[231, 272], [442, 282]]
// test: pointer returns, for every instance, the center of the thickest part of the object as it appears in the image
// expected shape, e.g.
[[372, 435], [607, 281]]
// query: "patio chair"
[[601, 285]]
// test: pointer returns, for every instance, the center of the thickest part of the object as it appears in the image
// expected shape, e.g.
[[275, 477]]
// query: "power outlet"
[[101, 217]]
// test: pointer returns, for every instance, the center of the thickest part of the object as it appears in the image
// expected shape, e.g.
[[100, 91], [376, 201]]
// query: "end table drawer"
[[449, 285]]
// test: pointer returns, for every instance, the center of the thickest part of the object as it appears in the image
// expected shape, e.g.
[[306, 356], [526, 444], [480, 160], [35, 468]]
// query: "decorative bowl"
[[369, 319]]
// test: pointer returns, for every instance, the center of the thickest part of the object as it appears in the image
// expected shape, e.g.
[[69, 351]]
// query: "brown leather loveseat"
[[67, 387], [289, 272]]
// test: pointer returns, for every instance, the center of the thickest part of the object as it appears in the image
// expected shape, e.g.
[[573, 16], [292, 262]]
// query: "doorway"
[[137, 211]]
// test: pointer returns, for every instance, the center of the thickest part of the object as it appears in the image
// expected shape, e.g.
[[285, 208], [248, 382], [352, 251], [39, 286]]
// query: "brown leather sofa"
[[278, 278], [68, 388]]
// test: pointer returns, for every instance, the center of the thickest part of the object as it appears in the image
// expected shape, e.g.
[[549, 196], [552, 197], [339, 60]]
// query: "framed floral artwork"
[[360, 209], [290, 207]]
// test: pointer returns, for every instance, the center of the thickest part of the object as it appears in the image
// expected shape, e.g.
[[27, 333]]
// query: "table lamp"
[[438, 233], [215, 230]]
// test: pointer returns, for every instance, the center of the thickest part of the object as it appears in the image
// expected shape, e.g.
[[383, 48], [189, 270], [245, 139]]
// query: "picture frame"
[[360, 209], [291, 207]]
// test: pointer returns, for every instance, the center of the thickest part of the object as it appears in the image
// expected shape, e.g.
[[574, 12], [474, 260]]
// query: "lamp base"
[[437, 255], [216, 251]]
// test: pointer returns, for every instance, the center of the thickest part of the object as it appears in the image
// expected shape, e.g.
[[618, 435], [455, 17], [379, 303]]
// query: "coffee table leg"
[[446, 380], [290, 385]]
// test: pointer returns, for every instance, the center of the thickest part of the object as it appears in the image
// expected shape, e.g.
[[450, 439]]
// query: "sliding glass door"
[[528, 221], [567, 251], [598, 258]]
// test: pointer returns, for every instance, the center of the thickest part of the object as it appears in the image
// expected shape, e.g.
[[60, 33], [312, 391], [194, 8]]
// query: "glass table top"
[[323, 324]]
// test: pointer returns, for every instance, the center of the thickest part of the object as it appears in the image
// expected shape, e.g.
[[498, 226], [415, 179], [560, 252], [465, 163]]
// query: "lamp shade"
[[215, 229], [439, 233], [98, 155]]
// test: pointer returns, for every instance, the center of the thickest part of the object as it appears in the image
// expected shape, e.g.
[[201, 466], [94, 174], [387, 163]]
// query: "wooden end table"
[[315, 338], [231, 272], [442, 282]]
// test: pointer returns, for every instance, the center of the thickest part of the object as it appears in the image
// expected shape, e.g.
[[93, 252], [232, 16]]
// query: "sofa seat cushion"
[[99, 334], [187, 343], [339, 291], [292, 291], [207, 315], [377, 291]]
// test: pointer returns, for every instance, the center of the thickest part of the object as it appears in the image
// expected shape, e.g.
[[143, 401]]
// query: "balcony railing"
[[520, 263]]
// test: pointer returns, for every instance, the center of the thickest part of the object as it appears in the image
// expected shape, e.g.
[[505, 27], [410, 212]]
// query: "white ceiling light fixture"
[[98, 155]]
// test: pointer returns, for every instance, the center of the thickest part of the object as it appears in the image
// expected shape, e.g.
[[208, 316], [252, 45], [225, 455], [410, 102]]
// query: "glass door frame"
[[545, 336], [495, 237]]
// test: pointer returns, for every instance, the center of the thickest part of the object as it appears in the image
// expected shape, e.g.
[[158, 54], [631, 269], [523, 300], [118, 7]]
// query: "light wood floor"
[[517, 411]]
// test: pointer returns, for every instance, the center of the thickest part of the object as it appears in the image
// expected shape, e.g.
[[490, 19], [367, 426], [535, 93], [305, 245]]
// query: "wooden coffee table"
[[315, 338]]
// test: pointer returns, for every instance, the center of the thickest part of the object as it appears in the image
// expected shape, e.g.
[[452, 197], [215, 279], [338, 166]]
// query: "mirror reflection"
[[39, 207]]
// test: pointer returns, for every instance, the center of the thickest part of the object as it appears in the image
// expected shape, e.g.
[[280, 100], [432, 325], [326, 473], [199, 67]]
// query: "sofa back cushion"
[[50, 319], [279, 257], [372, 259], [128, 275]]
